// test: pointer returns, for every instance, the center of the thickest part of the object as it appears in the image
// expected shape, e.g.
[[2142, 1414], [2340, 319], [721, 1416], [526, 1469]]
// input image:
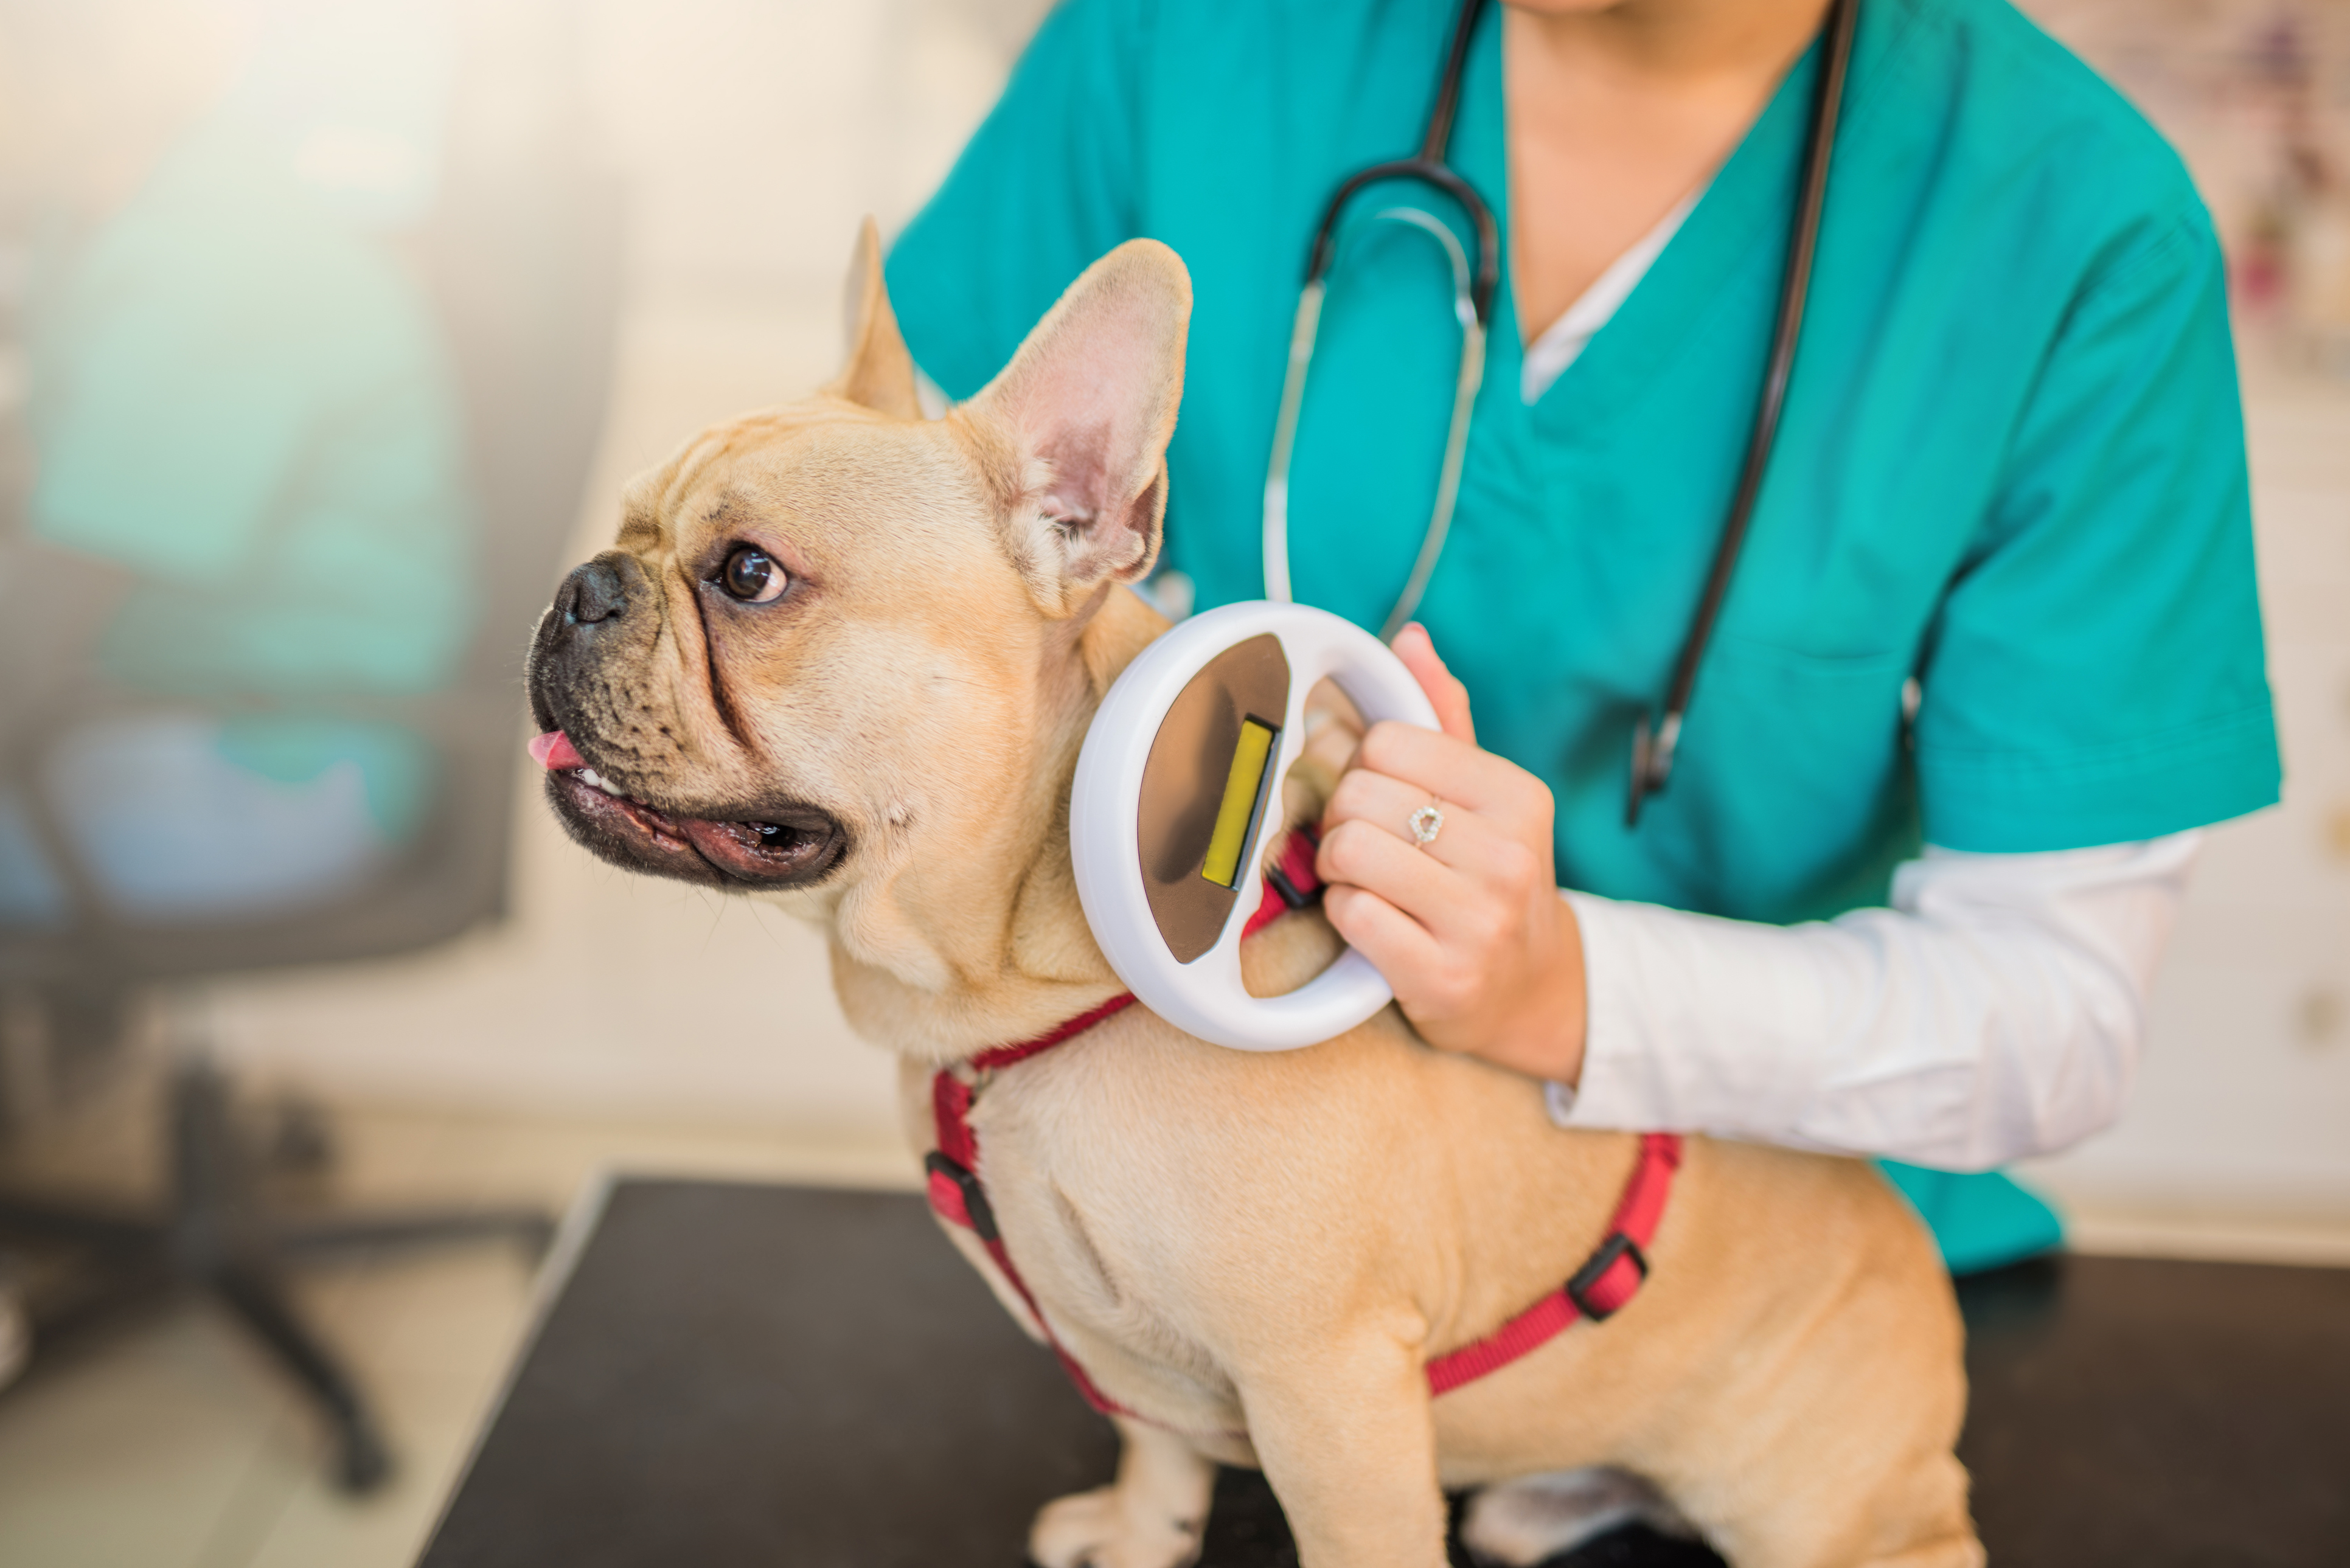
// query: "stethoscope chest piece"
[[1177, 797]]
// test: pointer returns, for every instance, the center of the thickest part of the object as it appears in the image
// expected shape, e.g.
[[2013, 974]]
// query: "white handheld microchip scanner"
[[1180, 775]]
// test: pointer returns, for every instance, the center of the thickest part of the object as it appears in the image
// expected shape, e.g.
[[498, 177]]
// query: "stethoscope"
[[1474, 283]]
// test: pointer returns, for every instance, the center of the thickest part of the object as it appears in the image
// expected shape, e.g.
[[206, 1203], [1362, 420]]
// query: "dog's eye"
[[752, 576]]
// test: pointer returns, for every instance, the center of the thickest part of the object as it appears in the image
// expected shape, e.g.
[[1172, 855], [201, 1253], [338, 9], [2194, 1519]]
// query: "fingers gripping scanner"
[[1176, 798]]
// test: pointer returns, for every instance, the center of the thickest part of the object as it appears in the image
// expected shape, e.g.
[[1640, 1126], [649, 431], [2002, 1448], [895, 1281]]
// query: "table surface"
[[736, 1374]]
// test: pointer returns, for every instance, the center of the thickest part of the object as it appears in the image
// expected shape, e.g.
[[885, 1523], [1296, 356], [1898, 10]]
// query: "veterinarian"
[[1990, 653]]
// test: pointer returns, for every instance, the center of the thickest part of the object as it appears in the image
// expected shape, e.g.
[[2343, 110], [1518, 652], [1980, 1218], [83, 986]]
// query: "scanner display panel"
[[1244, 802]]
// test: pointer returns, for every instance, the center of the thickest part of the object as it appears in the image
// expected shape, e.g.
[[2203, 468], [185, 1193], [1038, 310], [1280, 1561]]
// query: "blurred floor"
[[165, 1440]]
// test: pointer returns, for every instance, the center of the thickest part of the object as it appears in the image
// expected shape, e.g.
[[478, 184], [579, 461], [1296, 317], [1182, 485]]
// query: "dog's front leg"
[[1152, 1516], [1348, 1440]]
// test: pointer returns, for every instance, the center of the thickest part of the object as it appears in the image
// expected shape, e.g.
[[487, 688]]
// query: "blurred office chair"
[[521, 254]]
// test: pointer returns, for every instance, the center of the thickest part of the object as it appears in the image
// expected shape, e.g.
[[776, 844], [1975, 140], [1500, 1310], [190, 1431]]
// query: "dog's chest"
[[1110, 1272]]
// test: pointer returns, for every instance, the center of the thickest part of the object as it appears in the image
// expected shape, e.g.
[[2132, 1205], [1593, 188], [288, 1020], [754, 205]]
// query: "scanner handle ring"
[[1206, 997]]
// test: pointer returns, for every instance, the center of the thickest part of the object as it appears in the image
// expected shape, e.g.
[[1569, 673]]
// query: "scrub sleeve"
[[2095, 674], [2012, 467]]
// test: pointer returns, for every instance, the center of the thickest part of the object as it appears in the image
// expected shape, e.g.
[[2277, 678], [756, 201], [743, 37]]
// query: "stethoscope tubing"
[[1653, 751], [1654, 746], [1467, 378], [1487, 280], [1475, 286]]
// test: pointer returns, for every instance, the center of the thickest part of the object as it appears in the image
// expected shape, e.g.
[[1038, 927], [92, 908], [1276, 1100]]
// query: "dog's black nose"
[[593, 593]]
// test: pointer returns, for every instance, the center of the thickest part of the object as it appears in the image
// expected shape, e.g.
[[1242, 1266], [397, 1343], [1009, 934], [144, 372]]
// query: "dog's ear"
[[880, 374], [1085, 409]]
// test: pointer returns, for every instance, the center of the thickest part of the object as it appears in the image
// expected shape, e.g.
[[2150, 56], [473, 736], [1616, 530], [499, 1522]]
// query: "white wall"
[[2243, 1100], [754, 136]]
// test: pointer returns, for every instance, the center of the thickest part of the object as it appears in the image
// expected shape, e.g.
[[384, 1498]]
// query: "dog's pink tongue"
[[553, 751]]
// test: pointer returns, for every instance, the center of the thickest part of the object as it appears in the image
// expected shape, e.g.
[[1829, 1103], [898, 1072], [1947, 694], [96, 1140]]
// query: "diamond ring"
[[1426, 823]]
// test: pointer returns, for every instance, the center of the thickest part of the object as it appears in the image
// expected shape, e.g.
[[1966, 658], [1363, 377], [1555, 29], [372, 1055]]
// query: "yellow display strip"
[[1238, 813]]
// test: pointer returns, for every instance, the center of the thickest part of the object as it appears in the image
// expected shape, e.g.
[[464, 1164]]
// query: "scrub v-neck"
[[1696, 289], [1563, 340]]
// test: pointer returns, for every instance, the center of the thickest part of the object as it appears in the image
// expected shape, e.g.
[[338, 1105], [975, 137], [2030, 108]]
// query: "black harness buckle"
[[1595, 1268], [1290, 894], [1296, 897], [975, 1197]]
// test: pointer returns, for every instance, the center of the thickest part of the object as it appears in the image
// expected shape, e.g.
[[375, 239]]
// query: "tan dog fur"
[[1257, 1251]]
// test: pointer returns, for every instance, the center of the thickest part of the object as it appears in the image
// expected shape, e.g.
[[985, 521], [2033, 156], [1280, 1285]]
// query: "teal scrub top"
[[2012, 464]]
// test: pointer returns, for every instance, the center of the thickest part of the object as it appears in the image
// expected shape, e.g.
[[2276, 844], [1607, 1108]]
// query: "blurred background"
[[388, 297]]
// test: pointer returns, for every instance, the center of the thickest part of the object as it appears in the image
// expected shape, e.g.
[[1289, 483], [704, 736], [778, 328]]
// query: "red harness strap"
[[957, 1196], [954, 1186], [1610, 1277]]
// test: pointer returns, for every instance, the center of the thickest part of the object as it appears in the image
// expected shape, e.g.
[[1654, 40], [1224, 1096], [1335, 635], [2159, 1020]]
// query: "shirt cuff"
[[1620, 1086]]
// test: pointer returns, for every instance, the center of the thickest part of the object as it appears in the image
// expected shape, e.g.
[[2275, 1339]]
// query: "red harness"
[[1611, 1276]]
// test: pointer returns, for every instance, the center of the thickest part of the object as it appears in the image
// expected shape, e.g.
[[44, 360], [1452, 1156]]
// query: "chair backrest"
[[522, 258]]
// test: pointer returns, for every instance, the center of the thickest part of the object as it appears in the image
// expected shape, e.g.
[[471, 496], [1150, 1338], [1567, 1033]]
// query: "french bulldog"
[[842, 656]]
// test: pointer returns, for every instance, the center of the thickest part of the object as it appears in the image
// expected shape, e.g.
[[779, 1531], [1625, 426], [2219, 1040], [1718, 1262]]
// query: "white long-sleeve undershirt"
[[1993, 1013]]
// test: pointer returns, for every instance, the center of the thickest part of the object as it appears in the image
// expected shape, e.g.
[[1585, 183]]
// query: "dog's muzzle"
[[587, 671]]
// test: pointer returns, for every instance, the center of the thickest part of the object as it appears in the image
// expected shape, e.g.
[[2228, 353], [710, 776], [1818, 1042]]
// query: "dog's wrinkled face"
[[746, 680], [829, 634]]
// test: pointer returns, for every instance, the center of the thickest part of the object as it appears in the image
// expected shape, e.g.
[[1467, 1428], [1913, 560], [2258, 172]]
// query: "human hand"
[[1469, 928]]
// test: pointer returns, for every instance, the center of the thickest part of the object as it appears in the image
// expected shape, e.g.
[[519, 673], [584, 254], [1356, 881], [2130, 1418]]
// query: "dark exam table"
[[732, 1373]]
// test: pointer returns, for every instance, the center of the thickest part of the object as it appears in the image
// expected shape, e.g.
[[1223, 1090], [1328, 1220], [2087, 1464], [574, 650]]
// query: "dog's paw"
[[1518, 1523], [1095, 1530]]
